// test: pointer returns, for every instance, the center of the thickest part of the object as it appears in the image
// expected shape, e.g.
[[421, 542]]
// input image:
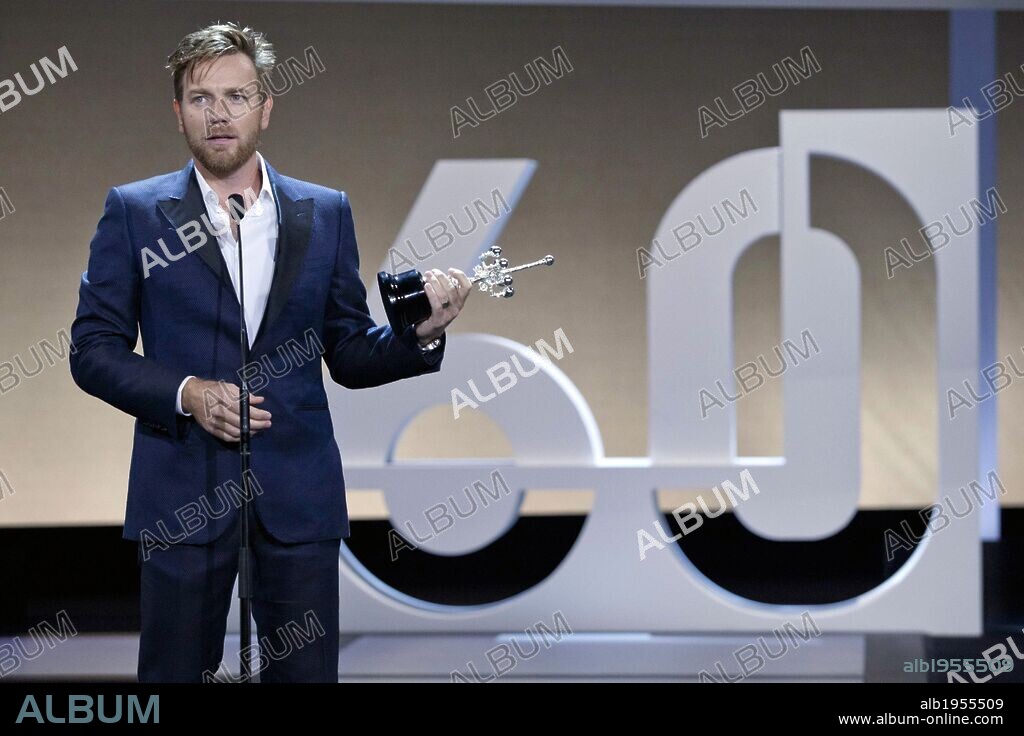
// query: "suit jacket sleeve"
[[358, 352], [105, 330]]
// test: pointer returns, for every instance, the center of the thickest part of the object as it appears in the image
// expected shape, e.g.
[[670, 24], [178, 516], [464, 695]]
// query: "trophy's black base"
[[405, 299]]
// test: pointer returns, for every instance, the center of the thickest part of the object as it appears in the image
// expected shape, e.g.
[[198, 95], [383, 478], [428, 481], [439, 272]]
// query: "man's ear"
[[177, 113], [265, 117]]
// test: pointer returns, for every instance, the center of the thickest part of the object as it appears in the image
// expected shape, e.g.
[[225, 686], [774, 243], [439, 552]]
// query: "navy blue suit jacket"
[[184, 484]]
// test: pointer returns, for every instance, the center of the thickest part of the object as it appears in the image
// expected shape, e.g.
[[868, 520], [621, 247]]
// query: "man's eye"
[[237, 97], [198, 98]]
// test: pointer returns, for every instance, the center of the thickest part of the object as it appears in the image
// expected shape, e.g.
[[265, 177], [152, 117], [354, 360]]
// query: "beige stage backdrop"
[[615, 139]]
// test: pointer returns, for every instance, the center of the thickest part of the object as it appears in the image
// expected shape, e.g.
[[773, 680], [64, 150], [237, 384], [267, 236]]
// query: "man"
[[164, 262]]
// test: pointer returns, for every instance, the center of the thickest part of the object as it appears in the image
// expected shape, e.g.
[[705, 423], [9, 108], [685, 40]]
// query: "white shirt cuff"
[[178, 404]]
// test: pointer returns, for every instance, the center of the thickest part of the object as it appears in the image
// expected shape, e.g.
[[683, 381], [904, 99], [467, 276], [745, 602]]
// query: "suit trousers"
[[186, 592]]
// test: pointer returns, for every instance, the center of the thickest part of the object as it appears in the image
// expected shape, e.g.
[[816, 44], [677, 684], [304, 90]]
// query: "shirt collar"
[[212, 202]]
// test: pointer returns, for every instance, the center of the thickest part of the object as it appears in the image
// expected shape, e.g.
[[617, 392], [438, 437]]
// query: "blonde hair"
[[215, 40]]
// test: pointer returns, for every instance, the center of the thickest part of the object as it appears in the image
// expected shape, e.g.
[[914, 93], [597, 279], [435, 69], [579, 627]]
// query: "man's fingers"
[[441, 282], [258, 419], [234, 410], [228, 433], [465, 285], [432, 297]]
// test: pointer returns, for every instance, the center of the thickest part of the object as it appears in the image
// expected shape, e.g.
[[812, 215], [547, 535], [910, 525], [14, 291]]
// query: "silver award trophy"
[[405, 299]]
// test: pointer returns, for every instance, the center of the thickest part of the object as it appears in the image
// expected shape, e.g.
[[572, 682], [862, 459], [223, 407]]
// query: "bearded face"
[[220, 113]]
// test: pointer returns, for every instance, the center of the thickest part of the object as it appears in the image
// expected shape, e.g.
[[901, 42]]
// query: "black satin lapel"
[[292, 242], [192, 209]]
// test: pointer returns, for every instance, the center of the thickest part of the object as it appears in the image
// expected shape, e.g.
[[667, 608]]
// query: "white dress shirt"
[[259, 241]]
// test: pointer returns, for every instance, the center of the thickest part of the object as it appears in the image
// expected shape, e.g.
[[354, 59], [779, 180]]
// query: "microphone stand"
[[237, 207]]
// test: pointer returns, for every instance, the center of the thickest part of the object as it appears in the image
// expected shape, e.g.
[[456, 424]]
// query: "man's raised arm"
[[358, 352]]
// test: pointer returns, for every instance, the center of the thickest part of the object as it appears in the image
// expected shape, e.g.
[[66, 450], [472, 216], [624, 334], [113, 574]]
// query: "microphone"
[[236, 205], [236, 208]]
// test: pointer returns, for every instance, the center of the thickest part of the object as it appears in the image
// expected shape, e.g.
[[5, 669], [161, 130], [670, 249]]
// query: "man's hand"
[[447, 294], [214, 404]]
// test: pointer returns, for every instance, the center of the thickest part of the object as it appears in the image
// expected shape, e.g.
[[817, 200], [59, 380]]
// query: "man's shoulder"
[[303, 189], [161, 184]]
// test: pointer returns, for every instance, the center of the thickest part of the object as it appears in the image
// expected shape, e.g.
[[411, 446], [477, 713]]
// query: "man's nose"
[[215, 115], [219, 112]]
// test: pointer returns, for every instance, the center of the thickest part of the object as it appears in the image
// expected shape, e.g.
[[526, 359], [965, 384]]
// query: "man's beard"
[[223, 162]]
